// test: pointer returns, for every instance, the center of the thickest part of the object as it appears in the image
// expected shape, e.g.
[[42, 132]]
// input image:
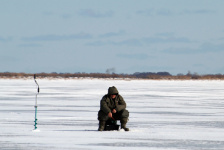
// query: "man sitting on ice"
[[112, 105]]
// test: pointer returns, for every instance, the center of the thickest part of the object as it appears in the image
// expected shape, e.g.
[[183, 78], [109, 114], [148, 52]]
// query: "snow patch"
[[173, 115]]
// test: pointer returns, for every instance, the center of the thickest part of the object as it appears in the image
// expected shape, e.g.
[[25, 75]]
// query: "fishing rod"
[[35, 106]]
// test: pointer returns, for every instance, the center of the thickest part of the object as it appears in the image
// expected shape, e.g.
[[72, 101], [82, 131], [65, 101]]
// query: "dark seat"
[[111, 125]]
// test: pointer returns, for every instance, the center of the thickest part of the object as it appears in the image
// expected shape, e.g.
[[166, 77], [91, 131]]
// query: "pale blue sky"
[[176, 36]]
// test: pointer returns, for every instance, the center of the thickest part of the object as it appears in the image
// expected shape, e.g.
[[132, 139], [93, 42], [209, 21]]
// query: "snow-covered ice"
[[170, 115]]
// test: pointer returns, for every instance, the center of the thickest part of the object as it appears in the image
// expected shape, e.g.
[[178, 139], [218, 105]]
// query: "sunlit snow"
[[163, 115]]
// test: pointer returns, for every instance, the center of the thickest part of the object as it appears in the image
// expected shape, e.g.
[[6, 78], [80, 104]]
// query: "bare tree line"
[[137, 75]]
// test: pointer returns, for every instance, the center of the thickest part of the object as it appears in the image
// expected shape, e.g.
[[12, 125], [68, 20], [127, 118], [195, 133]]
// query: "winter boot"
[[123, 124], [101, 125]]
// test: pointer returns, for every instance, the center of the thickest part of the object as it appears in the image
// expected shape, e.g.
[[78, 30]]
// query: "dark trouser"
[[121, 115]]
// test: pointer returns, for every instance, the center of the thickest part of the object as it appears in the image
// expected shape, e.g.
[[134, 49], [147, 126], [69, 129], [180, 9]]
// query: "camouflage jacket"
[[107, 104]]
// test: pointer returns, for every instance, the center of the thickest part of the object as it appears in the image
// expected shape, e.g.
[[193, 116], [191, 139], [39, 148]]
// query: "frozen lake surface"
[[170, 115]]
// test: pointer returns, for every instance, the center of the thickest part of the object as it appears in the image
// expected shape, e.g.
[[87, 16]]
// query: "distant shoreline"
[[140, 76]]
